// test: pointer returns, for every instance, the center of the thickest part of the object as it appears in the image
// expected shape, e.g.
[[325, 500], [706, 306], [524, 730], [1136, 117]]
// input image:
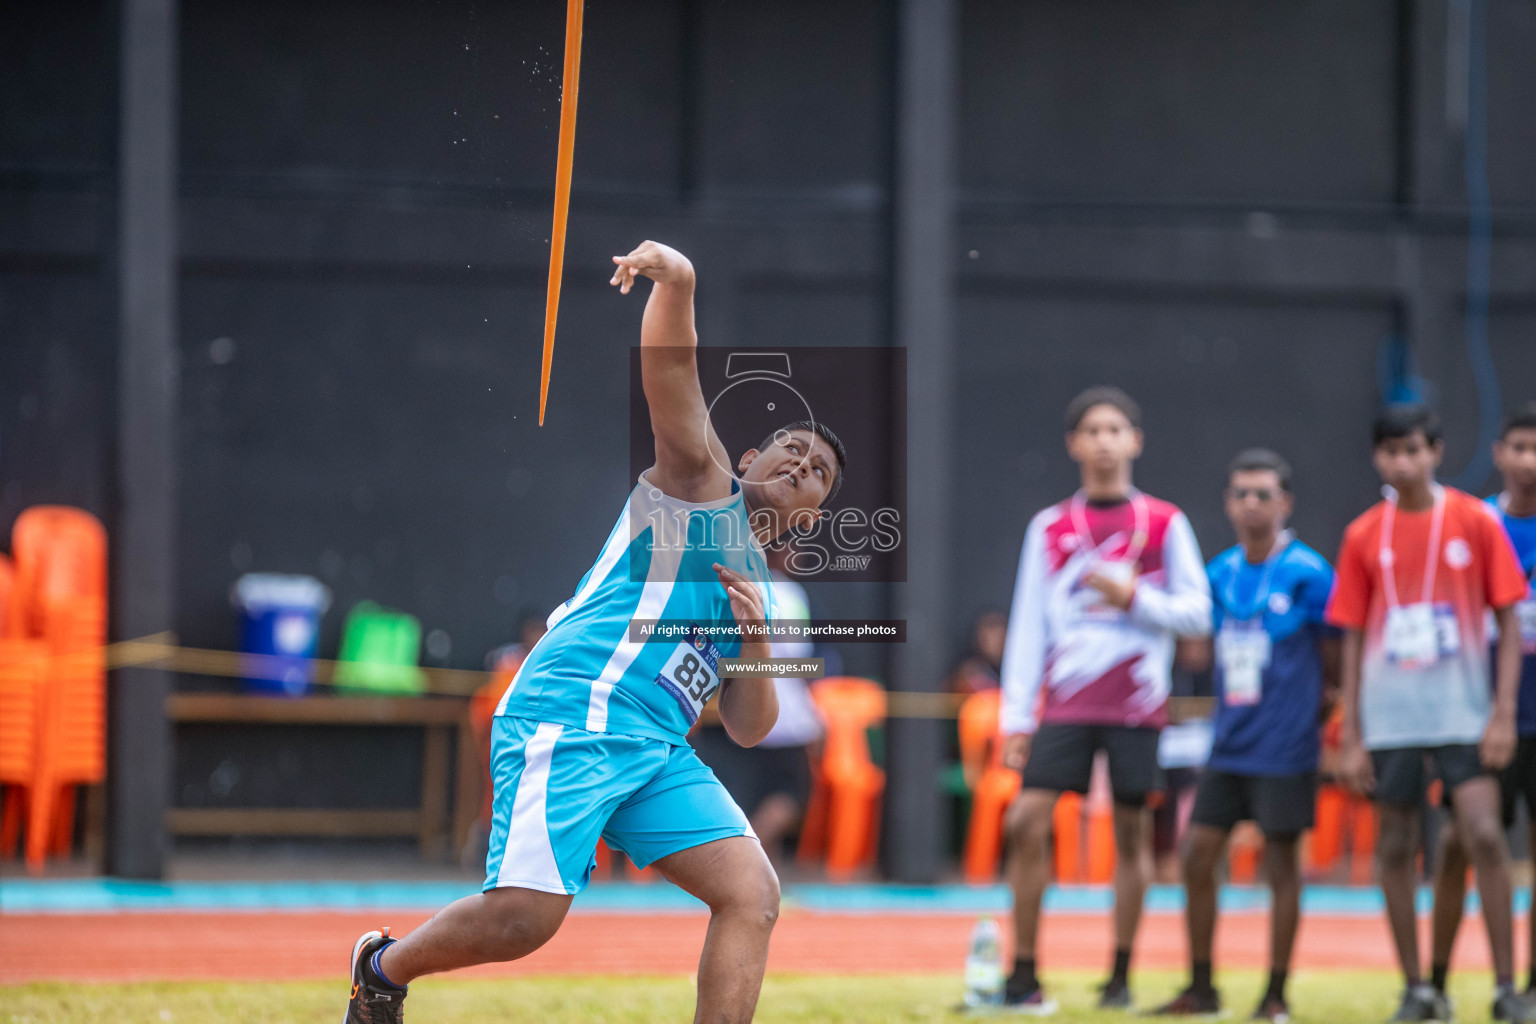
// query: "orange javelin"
[[562, 188]]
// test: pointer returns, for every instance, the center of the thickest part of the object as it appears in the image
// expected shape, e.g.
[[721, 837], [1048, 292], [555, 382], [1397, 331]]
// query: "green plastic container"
[[379, 652]]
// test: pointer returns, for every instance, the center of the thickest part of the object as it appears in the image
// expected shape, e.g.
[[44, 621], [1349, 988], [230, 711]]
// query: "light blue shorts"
[[559, 788]]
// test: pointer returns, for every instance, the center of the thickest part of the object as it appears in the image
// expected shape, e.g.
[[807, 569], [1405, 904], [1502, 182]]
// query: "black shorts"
[[1282, 806], [1517, 782], [1061, 758], [1400, 771], [753, 774]]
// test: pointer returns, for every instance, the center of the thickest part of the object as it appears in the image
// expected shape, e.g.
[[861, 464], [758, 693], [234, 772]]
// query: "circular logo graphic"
[[1279, 603], [759, 381], [1457, 554]]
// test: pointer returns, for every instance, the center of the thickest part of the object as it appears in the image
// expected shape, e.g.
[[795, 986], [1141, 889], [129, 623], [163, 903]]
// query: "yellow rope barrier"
[[160, 650]]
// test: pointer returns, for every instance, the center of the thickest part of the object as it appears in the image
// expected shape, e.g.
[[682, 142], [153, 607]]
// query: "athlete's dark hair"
[[1252, 460], [824, 432], [1523, 418], [1079, 406], [1405, 418]]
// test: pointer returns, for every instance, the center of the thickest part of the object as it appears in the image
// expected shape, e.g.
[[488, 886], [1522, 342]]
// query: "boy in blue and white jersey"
[[589, 740], [1276, 669], [1515, 507]]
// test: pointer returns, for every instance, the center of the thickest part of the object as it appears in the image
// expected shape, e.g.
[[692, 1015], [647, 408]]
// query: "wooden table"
[[439, 719]]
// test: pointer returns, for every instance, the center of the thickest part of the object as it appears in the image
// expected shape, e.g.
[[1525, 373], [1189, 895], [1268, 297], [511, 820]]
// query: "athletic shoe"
[[1422, 1002], [372, 1002], [1274, 1010], [1031, 1004], [1114, 995], [1511, 1006], [1190, 1003]]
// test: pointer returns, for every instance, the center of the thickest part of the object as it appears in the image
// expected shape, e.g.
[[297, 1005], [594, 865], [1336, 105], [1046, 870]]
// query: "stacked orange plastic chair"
[[993, 787], [52, 671], [22, 665], [482, 713], [842, 818], [1245, 853], [1341, 815], [1067, 826]]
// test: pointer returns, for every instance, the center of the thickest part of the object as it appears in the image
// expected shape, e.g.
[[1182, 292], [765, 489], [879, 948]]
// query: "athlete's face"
[[1515, 455], [1408, 462], [1104, 439], [1256, 503], [789, 478]]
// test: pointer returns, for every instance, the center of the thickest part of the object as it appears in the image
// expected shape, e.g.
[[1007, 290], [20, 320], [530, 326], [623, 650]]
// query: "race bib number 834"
[[691, 675]]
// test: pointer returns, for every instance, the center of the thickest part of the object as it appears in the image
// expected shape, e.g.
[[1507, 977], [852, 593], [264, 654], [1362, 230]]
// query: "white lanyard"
[[1282, 542], [1140, 517], [1431, 559]]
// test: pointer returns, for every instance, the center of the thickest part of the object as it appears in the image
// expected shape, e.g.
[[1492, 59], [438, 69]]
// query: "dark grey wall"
[[1226, 208]]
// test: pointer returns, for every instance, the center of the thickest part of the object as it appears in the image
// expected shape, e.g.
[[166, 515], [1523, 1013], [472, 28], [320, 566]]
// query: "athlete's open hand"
[[1497, 748], [661, 263], [1118, 592], [1356, 769], [746, 605], [1016, 751]]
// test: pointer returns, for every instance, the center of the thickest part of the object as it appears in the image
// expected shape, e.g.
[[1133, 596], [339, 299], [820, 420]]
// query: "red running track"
[[197, 945]]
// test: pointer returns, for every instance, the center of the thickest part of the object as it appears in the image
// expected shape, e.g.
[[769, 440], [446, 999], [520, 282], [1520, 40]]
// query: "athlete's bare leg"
[[1282, 869], [1203, 847], [1481, 831], [1028, 824], [1450, 896], [502, 924], [1130, 872], [734, 879], [1396, 846]]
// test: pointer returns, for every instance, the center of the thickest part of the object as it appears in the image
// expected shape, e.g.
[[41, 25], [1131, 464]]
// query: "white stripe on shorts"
[[529, 858]]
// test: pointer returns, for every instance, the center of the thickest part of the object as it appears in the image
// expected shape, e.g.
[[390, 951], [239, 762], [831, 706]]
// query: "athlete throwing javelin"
[[589, 740]]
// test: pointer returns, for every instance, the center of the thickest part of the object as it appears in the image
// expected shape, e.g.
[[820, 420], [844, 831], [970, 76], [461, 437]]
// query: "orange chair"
[[993, 787], [482, 711], [59, 598], [7, 585], [843, 814], [1100, 808], [1243, 858], [1067, 828], [23, 669], [1340, 815]]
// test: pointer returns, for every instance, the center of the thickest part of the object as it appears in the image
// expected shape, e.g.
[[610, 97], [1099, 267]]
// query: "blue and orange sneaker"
[[372, 1001]]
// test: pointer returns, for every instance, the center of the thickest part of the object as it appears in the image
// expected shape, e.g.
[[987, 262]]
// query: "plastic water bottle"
[[984, 965]]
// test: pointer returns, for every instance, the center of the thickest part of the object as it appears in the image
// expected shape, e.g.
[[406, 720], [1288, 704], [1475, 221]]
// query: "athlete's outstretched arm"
[[691, 464]]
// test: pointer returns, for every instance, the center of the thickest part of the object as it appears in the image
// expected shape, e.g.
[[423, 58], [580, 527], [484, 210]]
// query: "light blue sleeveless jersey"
[[587, 671]]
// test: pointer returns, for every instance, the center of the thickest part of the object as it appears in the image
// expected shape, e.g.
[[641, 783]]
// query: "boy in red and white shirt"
[[1107, 580], [1417, 575]]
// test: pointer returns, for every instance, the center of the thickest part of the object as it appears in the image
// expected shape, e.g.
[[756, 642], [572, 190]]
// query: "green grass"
[[1317, 997]]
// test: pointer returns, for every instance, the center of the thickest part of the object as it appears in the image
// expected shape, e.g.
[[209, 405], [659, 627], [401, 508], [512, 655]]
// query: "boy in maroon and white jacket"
[[1108, 580]]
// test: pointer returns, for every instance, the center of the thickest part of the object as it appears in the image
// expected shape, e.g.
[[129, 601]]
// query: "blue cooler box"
[[279, 630]]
